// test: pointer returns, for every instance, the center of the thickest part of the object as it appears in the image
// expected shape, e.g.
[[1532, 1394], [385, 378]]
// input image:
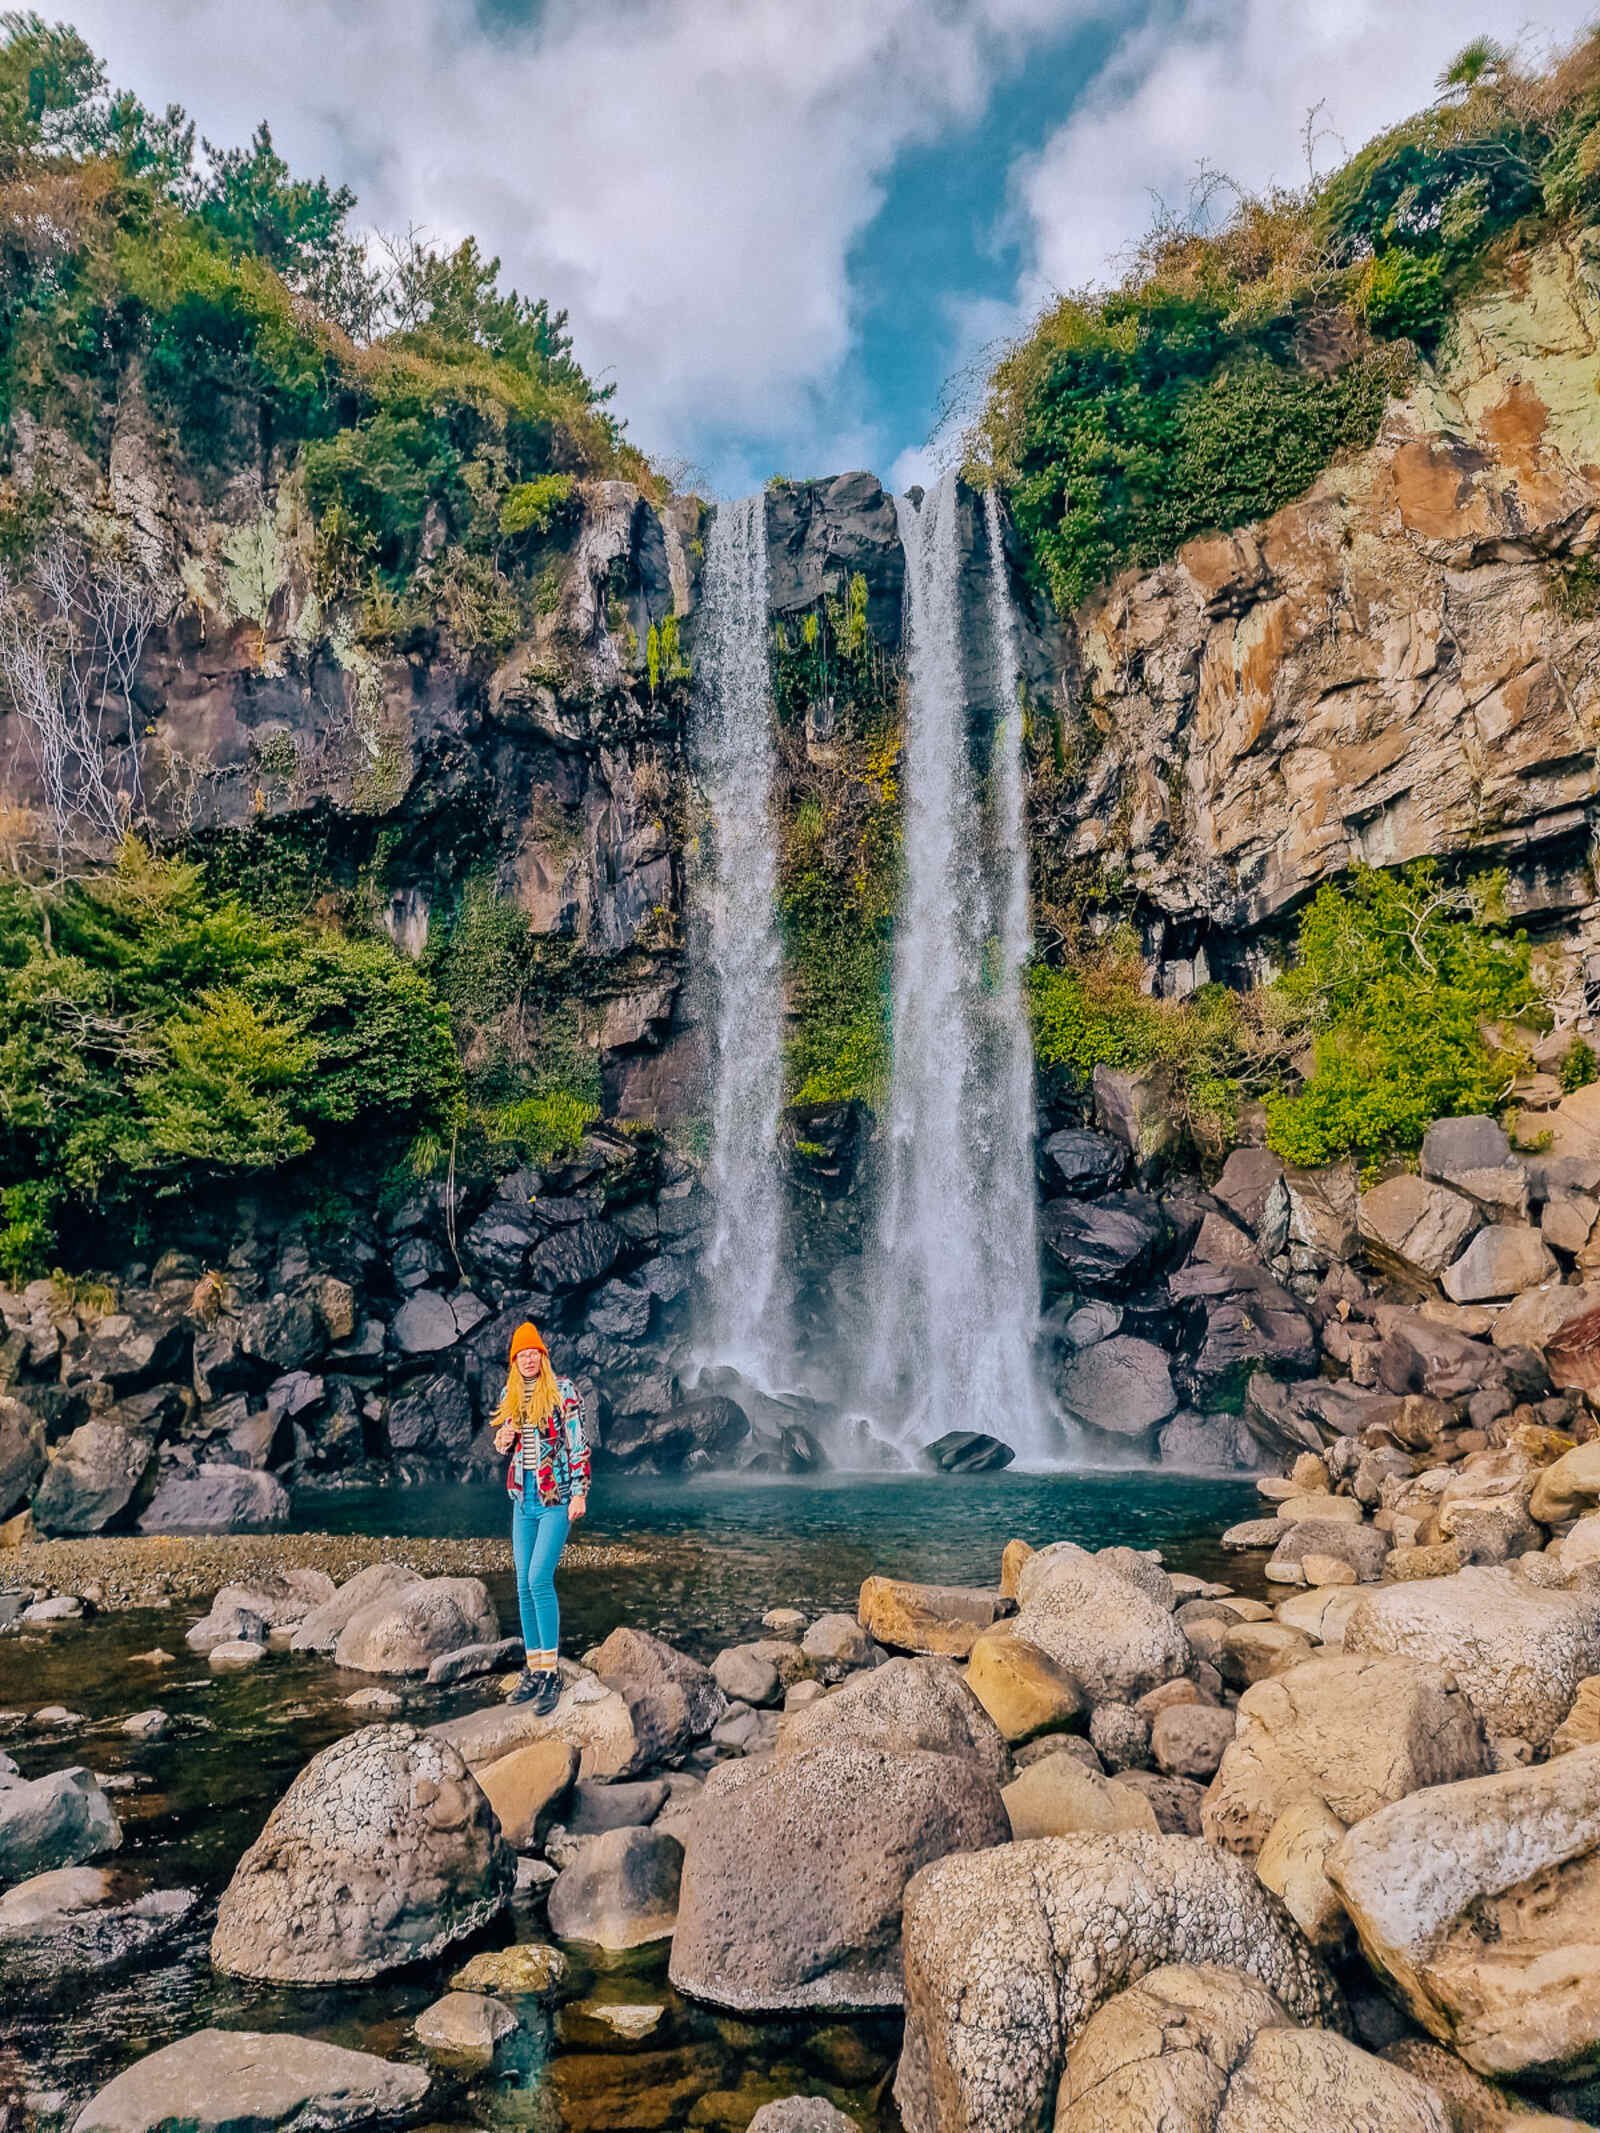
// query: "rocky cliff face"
[[1401, 664]]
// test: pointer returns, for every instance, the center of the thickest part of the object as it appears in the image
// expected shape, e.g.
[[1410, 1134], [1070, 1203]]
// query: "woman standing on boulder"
[[540, 1422]]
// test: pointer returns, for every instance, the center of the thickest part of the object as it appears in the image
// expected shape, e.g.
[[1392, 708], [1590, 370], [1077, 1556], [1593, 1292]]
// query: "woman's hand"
[[576, 1509], [505, 1436]]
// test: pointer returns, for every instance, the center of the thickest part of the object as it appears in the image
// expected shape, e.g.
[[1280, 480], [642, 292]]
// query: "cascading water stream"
[[956, 1278], [745, 1320]]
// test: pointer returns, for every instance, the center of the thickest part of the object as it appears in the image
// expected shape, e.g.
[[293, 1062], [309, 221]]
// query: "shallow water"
[[718, 1553]]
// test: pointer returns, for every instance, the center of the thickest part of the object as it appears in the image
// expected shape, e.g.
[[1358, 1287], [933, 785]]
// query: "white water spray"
[[957, 1275], [746, 1320]]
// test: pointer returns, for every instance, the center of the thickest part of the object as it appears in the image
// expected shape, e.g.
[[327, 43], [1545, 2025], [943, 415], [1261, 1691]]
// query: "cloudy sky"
[[783, 225]]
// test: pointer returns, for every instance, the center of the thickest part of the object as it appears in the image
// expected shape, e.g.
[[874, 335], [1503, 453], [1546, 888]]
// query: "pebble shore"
[[141, 1571]]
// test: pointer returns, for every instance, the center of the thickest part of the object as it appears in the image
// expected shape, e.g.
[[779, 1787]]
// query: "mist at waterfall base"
[[938, 1335]]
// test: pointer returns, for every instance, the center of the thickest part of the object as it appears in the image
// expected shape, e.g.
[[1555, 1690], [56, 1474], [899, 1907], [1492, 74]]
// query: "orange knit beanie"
[[528, 1336]]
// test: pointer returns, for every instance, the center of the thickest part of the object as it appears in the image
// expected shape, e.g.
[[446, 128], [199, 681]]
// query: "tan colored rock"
[[940, 1620], [1327, 1570], [1012, 1557], [1058, 1797], [527, 1786], [464, 2026], [1009, 1952], [1251, 1651], [529, 1969], [1293, 1863], [1501, 1262], [1103, 1619], [1581, 1726], [1568, 1487], [1413, 1227], [1343, 1509], [1477, 1901], [1534, 1318], [1309, 1474], [1320, 1615], [1516, 1652], [1188, 1740], [1209, 2051], [1438, 1559], [905, 1706], [1474, 2105], [1021, 1688], [1310, 1733], [1578, 1548]]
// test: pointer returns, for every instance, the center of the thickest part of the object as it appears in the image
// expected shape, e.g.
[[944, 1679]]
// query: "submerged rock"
[[621, 1891], [79, 1920], [54, 1821], [383, 1851], [238, 2081]]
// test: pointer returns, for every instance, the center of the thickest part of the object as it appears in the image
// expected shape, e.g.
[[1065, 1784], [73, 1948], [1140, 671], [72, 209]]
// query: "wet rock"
[[21, 1455], [403, 1632], [234, 1655], [424, 1324], [1023, 1690], [796, 1869], [1517, 1653], [1476, 1901], [621, 1891], [92, 1478], [1009, 1952], [1309, 1733], [966, 1451], [239, 2081], [464, 2026], [1209, 2051], [1121, 1385], [1102, 1246], [931, 1619], [1081, 1163], [905, 1706], [472, 1661], [431, 1417], [216, 1499], [382, 1852], [1413, 1227], [1058, 1797], [701, 1432], [56, 1821], [529, 1970], [77, 1921], [526, 1788], [576, 1256]]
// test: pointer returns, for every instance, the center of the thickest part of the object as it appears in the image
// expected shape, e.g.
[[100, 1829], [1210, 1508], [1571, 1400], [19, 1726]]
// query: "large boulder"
[[1122, 1386], [1096, 1619], [943, 1620], [1568, 1487], [382, 1852], [621, 1891], [1309, 1732], [1413, 1227], [239, 2081], [1191, 2049], [1103, 1246], [1243, 1323], [1518, 1651], [274, 1599], [320, 1629], [673, 1700], [615, 1735], [1500, 1262], [406, 1629], [797, 1866], [1060, 1797], [1081, 1163], [432, 1417], [216, 1499], [1023, 1691], [58, 1820], [903, 1706], [1473, 1156], [92, 1478], [1009, 1952], [526, 1787], [697, 1433], [77, 1921], [1477, 1901], [21, 1455]]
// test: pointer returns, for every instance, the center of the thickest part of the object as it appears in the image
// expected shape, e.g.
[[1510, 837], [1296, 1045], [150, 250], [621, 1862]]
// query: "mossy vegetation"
[[1248, 348], [837, 699]]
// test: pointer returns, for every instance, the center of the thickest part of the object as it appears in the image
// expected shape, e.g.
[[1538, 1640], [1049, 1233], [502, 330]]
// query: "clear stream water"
[[716, 1553]]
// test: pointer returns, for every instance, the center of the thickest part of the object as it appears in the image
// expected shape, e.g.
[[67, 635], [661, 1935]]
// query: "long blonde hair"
[[531, 1403]]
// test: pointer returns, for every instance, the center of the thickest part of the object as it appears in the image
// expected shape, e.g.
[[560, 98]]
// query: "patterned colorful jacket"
[[556, 1455]]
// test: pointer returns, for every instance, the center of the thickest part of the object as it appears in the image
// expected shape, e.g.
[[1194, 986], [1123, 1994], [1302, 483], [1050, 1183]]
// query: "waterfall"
[[956, 1278], [746, 1320]]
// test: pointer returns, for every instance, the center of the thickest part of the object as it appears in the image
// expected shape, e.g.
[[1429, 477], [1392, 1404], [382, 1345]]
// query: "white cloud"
[[685, 176], [1228, 84]]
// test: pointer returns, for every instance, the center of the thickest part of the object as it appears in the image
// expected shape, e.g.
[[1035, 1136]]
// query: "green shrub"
[[1579, 1067], [535, 506], [541, 1129], [1404, 295], [1398, 976], [27, 1231]]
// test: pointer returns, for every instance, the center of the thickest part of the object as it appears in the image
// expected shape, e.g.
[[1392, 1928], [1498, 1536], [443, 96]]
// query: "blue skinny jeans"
[[538, 1535]]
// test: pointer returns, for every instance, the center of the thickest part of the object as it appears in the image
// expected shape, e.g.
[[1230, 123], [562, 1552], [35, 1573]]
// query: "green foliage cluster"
[[1579, 1066], [839, 857], [665, 660], [430, 409], [1237, 360], [1397, 978], [515, 1003], [159, 1037], [1395, 982]]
